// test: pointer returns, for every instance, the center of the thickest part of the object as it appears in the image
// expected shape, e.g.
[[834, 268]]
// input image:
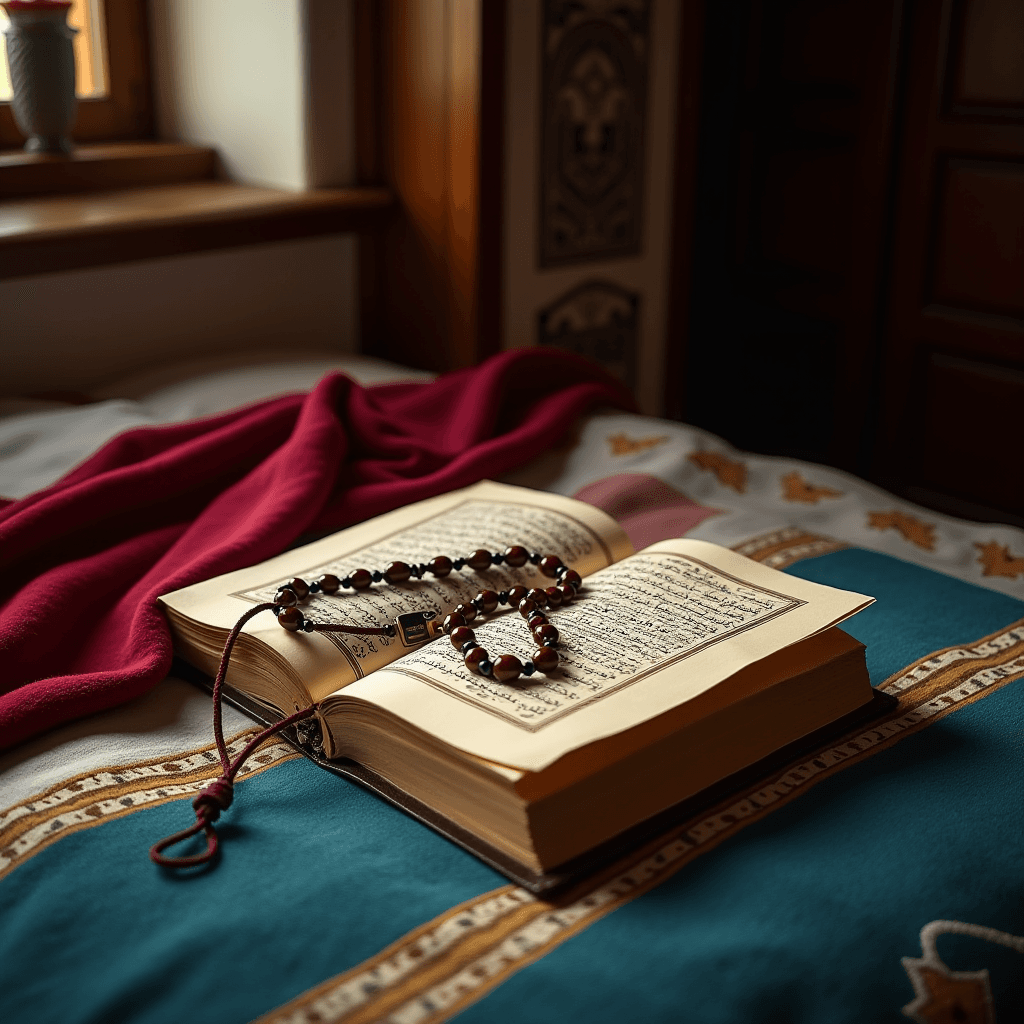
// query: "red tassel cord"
[[217, 797]]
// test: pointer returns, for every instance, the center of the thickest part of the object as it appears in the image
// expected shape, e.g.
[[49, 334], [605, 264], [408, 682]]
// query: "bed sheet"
[[42, 439], [876, 879]]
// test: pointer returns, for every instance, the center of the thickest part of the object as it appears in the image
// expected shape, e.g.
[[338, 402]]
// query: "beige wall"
[[269, 84], [229, 74], [76, 330], [529, 289]]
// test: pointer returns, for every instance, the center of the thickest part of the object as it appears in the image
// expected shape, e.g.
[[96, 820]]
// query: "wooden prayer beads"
[[506, 667], [530, 603]]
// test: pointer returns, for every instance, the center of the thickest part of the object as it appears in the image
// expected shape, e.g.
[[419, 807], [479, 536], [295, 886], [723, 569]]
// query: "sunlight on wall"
[[226, 79]]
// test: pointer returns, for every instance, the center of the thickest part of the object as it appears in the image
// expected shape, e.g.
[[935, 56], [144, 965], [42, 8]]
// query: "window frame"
[[126, 112]]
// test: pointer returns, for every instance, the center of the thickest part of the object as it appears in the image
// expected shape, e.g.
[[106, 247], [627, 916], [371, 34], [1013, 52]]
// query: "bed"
[[877, 878]]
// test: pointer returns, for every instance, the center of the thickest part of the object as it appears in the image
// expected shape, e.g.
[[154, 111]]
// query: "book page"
[[487, 515], [644, 635]]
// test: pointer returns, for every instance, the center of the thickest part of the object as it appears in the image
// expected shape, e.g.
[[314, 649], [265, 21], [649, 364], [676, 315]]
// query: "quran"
[[680, 666]]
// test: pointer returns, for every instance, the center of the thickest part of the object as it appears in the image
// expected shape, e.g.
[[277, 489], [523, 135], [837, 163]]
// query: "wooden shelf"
[[55, 233], [103, 167]]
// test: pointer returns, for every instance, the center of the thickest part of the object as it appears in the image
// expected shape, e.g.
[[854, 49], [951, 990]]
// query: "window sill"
[[104, 166], [46, 234]]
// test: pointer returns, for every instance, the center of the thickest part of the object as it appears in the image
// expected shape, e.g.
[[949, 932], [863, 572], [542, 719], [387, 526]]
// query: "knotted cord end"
[[218, 795], [208, 804], [215, 798]]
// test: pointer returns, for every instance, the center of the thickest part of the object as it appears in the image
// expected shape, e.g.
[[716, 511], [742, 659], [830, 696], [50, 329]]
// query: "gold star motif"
[[918, 532], [796, 488], [996, 560], [730, 472], [623, 444]]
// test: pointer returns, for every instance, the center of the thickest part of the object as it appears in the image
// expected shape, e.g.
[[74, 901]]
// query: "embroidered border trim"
[[782, 548], [93, 798], [439, 969]]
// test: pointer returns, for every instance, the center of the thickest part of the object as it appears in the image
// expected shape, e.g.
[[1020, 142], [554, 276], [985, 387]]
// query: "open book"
[[680, 665]]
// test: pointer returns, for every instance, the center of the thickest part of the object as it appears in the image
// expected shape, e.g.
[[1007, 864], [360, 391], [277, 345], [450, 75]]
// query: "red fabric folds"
[[158, 508]]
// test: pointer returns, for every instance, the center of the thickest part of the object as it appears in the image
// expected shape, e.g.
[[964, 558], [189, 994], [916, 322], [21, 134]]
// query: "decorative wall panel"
[[599, 320], [593, 109]]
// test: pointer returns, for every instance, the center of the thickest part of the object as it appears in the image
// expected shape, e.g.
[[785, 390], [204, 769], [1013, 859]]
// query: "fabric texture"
[[156, 509], [801, 911], [801, 917]]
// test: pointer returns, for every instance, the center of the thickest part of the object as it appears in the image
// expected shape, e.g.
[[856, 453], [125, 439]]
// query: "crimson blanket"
[[160, 508]]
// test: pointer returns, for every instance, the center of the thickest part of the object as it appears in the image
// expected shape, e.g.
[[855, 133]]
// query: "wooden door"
[[951, 430], [798, 106]]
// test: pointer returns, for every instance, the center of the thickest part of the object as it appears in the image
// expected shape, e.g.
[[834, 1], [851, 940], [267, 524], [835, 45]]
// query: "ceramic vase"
[[42, 65]]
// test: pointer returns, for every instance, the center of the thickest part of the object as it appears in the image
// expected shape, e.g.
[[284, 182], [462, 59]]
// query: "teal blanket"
[[802, 900]]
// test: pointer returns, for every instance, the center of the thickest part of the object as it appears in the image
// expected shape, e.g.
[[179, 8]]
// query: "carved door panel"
[[951, 433]]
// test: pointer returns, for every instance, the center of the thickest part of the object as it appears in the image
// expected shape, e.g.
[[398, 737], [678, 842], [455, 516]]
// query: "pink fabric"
[[647, 508], [82, 562]]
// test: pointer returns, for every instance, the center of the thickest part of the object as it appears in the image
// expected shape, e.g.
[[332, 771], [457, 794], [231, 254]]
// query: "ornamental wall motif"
[[599, 320], [593, 109]]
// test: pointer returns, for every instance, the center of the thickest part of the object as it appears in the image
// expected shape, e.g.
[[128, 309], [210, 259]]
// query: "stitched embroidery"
[[996, 560], [781, 548], [730, 472], [93, 798], [796, 488], [952, 997], [916, 531], [623, 444]]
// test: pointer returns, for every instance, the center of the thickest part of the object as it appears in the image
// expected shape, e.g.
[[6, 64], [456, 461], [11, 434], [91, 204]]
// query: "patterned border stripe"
[[449, 963], [781, 548], [407, 967], [527, 943], [515, 930], [927, 690], [984, 652], [93, 798]]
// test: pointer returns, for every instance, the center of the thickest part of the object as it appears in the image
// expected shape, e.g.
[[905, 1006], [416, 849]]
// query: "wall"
[[230, 75], [269, 85], [74, 331]]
